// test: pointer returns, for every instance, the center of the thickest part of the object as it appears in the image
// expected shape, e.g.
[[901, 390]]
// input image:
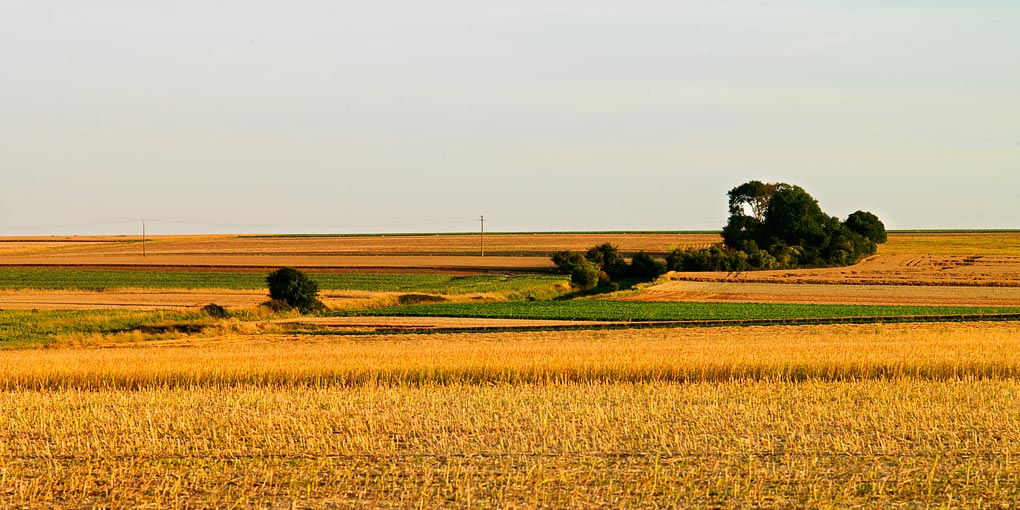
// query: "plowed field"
[[744, 292], [438, 253], [956, 259]]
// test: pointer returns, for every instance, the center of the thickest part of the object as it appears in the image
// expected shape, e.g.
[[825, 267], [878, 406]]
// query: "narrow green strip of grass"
[[71, 279], [604, 310], [23, 328]]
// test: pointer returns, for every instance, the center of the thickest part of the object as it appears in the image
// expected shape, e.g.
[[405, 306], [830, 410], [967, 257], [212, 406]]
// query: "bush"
[[419, 299], [296, 289], [585, 276], [566, 261], [277, 306], [215, 311], [608, 258], [645, 267]]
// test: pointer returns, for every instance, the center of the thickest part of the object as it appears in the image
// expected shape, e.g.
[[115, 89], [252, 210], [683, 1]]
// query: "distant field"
[[925, 268], [400, 253], [19, 278]]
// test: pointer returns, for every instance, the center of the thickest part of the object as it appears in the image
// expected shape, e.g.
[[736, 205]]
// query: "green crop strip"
[[604, 310], [22, 328], [69, 279]]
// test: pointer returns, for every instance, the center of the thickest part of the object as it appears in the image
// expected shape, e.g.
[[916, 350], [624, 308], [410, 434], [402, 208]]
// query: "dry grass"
[[943, 351], [823, 417], [739, 444]]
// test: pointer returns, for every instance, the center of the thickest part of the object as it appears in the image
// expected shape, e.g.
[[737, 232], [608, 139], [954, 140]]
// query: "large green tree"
[[788, 223]]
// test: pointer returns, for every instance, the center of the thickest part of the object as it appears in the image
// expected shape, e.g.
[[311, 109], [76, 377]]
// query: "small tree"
[[294, 288]]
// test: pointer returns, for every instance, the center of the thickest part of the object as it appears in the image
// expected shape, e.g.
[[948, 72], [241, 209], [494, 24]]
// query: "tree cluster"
[[603, 263], [781, 226], [292, 288]]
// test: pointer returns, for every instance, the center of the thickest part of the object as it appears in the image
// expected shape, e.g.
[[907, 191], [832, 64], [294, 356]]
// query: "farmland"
[[117, 392], [784, 417], [598, 309]]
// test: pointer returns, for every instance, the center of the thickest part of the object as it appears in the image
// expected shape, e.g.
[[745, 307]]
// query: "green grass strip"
[[71, 279], [24, 328], [604, 310]]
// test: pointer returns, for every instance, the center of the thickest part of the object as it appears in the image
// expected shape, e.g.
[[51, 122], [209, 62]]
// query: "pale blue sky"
[[365, 116]]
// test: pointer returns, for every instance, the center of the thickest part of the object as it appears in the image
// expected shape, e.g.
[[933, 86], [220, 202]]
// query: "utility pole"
[[483, 234], [143, 238]]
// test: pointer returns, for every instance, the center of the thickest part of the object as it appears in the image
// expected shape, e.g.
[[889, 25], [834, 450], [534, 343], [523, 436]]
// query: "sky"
[[350, 116]]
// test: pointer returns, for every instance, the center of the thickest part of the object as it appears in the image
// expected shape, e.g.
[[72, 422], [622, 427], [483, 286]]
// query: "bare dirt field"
[[814, 293], [440, 253]]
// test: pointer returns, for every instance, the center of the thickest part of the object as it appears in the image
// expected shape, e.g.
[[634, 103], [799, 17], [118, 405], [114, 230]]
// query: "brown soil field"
[[442, 253], [744, 292], [954, 259]]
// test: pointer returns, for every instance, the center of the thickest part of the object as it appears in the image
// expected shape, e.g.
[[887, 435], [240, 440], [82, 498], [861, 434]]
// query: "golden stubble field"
[[865, 416], [920, 416]]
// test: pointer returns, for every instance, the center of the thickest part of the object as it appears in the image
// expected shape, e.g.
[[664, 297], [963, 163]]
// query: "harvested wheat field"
[[814, 293], [781, 417]]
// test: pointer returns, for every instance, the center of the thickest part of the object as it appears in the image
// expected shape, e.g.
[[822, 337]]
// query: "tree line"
[[771, 226]]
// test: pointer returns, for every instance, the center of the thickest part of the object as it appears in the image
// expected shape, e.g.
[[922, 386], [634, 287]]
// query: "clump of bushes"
[[602, 264], [215, 311], [294, 289], [781, 226]]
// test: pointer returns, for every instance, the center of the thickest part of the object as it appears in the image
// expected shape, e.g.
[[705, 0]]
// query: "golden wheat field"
[[244, 414], [779, 417]]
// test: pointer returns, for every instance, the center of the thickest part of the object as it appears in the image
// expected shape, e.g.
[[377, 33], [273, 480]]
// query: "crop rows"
[[15, 278], [609, 310]]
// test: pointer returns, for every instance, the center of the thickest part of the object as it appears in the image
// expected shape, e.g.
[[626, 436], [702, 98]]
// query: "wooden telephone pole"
[[483, 234]]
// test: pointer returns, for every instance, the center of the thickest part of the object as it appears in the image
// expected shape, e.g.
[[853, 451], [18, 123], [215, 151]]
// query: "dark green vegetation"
[[294, 288], [781, 226], [23, 328], [16, 278], [603, 263], [606, 310]]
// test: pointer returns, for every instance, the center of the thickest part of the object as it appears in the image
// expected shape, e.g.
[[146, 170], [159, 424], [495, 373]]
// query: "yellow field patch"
[[826, 416]]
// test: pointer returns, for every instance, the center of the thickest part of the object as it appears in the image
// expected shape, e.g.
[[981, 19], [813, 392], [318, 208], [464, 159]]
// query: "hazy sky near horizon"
[[403, 116]]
